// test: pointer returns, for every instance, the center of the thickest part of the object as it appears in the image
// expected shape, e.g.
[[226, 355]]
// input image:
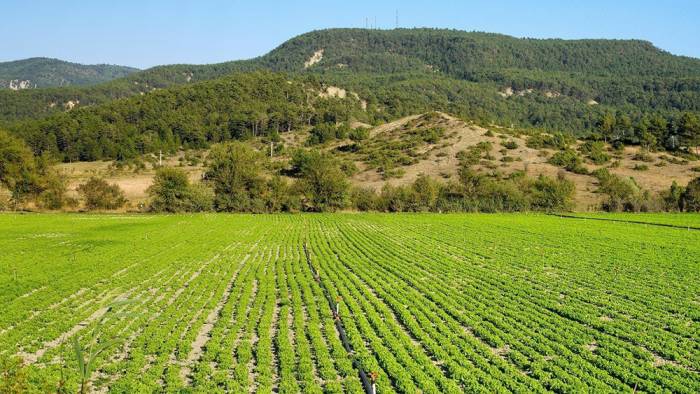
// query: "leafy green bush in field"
[[623, 194], [171, 191], [473, 154], [100, 195], [673, 197], [235, 173], [359, 134], [595, 151], [569, 160], [690, 199], [321, 181], [548, 194], [510, 144], [643, 156], [550, 141]]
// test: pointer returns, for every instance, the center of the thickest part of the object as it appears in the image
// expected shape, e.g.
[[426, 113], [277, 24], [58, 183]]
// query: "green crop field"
[[427, 303]]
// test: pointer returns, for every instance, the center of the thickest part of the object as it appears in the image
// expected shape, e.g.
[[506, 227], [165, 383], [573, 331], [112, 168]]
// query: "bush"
[[395, 199], [171, 191], [359, 134], [550, 141], [640, 167], [53, 191], [18, 168], [363, 198], [431, 135], [201, 198], [643, 156], [690, 199], [473, 154], [673, 197], [569, 160], [552, 194], [100, 195], [595, 151], [234, 172], [321, 133], [322, 181], [510, 144], [623, 194], [324, 132]]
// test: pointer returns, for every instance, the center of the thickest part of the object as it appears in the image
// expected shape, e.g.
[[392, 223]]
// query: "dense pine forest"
[[547, 83], [40, 72]]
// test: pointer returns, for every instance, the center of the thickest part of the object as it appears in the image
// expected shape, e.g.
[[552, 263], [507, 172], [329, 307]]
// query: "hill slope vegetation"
[[44, 72], [547, 83]]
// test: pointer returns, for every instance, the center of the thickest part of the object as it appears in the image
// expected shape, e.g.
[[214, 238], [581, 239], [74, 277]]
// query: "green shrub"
[[643, 156], [550, 141], [431, 135], [321, 133], [100, 195], [235, 173], [595, 151], [171, 191], [690, 200], [569, 160], [623, 194], [359, 134], [549, 194], [473, 154], [510, 144], [321, 181], [363, 198]]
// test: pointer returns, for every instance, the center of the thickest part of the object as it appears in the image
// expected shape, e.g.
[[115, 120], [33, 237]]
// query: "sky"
[[147, 33]]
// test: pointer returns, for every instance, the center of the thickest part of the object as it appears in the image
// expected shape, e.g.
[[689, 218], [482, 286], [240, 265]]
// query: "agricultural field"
[[687, 220], [426, 303]]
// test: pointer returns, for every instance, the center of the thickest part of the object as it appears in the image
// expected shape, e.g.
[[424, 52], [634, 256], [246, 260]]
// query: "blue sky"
[[146, 33]]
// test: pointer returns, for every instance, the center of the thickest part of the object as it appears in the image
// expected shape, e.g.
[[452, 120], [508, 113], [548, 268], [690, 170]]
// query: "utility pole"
[[160, 158]]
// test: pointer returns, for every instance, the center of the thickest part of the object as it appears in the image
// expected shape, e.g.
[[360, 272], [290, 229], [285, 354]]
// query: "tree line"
[[238, 178]]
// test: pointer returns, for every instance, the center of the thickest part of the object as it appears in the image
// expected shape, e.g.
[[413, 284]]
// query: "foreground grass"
[[438, 303]]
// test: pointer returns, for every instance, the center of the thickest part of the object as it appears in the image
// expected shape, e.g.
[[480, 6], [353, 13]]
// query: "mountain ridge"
[[556, 83], [44, 72]]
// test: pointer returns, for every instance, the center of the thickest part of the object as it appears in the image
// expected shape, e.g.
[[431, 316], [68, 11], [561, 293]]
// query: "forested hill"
[[629, 74], [236, 107], [463, 54], [44, 72], [553, 84]]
